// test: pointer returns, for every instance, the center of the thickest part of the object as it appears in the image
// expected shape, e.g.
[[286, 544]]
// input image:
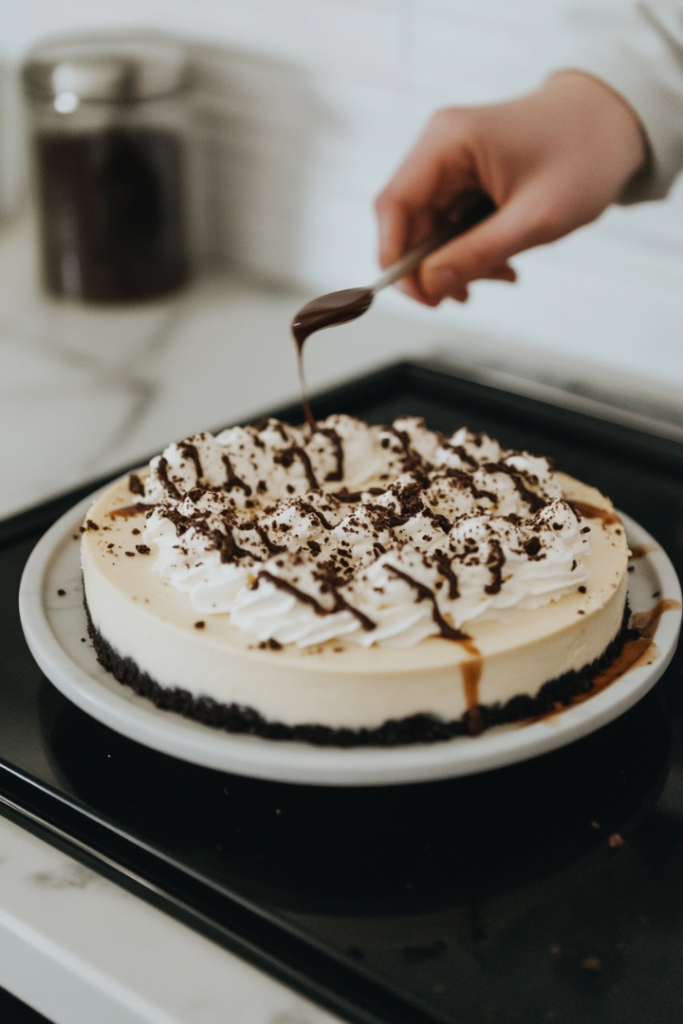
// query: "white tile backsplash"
[[306, 106], [456, 59]]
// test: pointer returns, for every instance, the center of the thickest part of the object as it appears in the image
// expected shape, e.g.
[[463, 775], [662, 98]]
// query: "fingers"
[[438, 168], [552, 161], [451, 285], [399, 230], [531, 217], [484, 252]]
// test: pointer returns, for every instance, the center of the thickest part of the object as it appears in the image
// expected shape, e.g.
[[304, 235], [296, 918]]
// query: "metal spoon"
[[350, 303]]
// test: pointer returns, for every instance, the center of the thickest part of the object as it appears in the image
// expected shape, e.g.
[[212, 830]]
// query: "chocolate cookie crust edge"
[[419, 728]]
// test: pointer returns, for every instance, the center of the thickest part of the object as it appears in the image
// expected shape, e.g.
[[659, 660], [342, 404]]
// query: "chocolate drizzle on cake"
[[286, 458], [231, 478], [495, 563], [338, 448], [311, 510], [447, 631], [329, 585], [135, 484], [467, 480], [353, 497], [534, 501], [228, 547], [587, 511], [445, 567], [168, 485], [454, 519], [190, 451], [289, 588], [126, 511], [271, 548]]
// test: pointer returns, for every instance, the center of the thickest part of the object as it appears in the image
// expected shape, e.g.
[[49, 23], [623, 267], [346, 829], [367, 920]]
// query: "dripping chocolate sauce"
[[639, 551], [471, 208], [126, 511], [637, 651], [326, 311], [582, 508], [646, 622], [471, 675]]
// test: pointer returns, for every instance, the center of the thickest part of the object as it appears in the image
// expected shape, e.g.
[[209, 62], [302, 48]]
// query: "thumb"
[[524, 221]]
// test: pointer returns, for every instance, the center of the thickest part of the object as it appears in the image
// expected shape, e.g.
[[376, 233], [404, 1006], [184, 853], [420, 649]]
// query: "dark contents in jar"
[[112, 214]]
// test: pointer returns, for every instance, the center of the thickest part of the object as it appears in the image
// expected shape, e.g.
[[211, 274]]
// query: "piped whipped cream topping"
[[374, 534]]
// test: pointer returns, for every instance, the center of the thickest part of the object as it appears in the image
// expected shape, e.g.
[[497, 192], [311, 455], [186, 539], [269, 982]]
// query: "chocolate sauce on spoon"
[[350, 303], [326, 311]]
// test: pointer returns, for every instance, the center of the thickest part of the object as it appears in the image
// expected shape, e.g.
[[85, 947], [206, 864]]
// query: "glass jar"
[[107, 116]]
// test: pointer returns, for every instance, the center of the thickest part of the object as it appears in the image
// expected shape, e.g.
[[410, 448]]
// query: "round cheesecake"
[[432, 587]]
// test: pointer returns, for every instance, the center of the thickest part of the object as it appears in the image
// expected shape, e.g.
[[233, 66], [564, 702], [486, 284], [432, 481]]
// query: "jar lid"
[[105, 68]]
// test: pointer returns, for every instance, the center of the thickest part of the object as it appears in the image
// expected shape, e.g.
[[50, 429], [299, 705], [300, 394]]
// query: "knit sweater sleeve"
[[637, 49]]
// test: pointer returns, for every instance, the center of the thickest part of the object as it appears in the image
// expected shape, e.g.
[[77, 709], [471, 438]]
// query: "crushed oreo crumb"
[[418, 728]]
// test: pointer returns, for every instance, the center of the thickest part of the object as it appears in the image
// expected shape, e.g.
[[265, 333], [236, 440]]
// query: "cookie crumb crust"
[[420, 728]]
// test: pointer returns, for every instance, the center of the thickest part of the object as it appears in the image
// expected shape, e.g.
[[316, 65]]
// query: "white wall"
[[307, 106]]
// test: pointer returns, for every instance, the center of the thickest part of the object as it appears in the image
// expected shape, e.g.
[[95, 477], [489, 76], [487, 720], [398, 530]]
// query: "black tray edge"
[[267, 945]]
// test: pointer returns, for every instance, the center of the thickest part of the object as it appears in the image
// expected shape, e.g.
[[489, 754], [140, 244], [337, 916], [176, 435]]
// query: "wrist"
[[619, 120]]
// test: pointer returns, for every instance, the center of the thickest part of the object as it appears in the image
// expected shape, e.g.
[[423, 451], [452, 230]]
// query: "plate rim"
[[295, 762]]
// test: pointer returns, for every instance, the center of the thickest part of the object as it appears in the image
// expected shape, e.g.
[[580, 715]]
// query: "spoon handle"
[[471, 209]]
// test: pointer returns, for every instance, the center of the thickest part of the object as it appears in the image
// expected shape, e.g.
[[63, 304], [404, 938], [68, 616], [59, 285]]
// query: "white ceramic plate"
[[55, 627]]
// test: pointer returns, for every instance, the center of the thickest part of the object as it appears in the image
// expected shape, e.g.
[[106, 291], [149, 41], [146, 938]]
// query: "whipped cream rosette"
[[379, 535]]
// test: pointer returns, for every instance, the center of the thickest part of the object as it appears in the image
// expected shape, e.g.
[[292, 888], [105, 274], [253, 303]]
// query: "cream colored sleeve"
[[637, 49]]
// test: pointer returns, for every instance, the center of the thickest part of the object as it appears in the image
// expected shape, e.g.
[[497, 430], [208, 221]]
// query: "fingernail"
[[444, 281]]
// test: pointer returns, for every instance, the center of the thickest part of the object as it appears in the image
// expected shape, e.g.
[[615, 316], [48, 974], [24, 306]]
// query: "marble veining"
[[69, 875], [79, 949]]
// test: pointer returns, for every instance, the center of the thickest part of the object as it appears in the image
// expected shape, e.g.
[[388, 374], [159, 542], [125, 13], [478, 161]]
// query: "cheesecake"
[[354, 584]]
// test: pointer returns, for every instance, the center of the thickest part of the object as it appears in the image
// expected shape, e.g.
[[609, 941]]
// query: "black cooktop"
[[500, 897]]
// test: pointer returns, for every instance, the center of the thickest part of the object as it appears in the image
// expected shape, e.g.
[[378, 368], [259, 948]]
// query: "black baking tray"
[[500, 897]]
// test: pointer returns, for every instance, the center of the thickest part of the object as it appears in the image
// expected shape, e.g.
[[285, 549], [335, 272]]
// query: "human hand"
[[551, 161]]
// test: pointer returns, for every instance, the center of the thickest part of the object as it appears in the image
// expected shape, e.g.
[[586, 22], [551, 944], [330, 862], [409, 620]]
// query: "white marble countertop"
[[80, 950], [83, 391]]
